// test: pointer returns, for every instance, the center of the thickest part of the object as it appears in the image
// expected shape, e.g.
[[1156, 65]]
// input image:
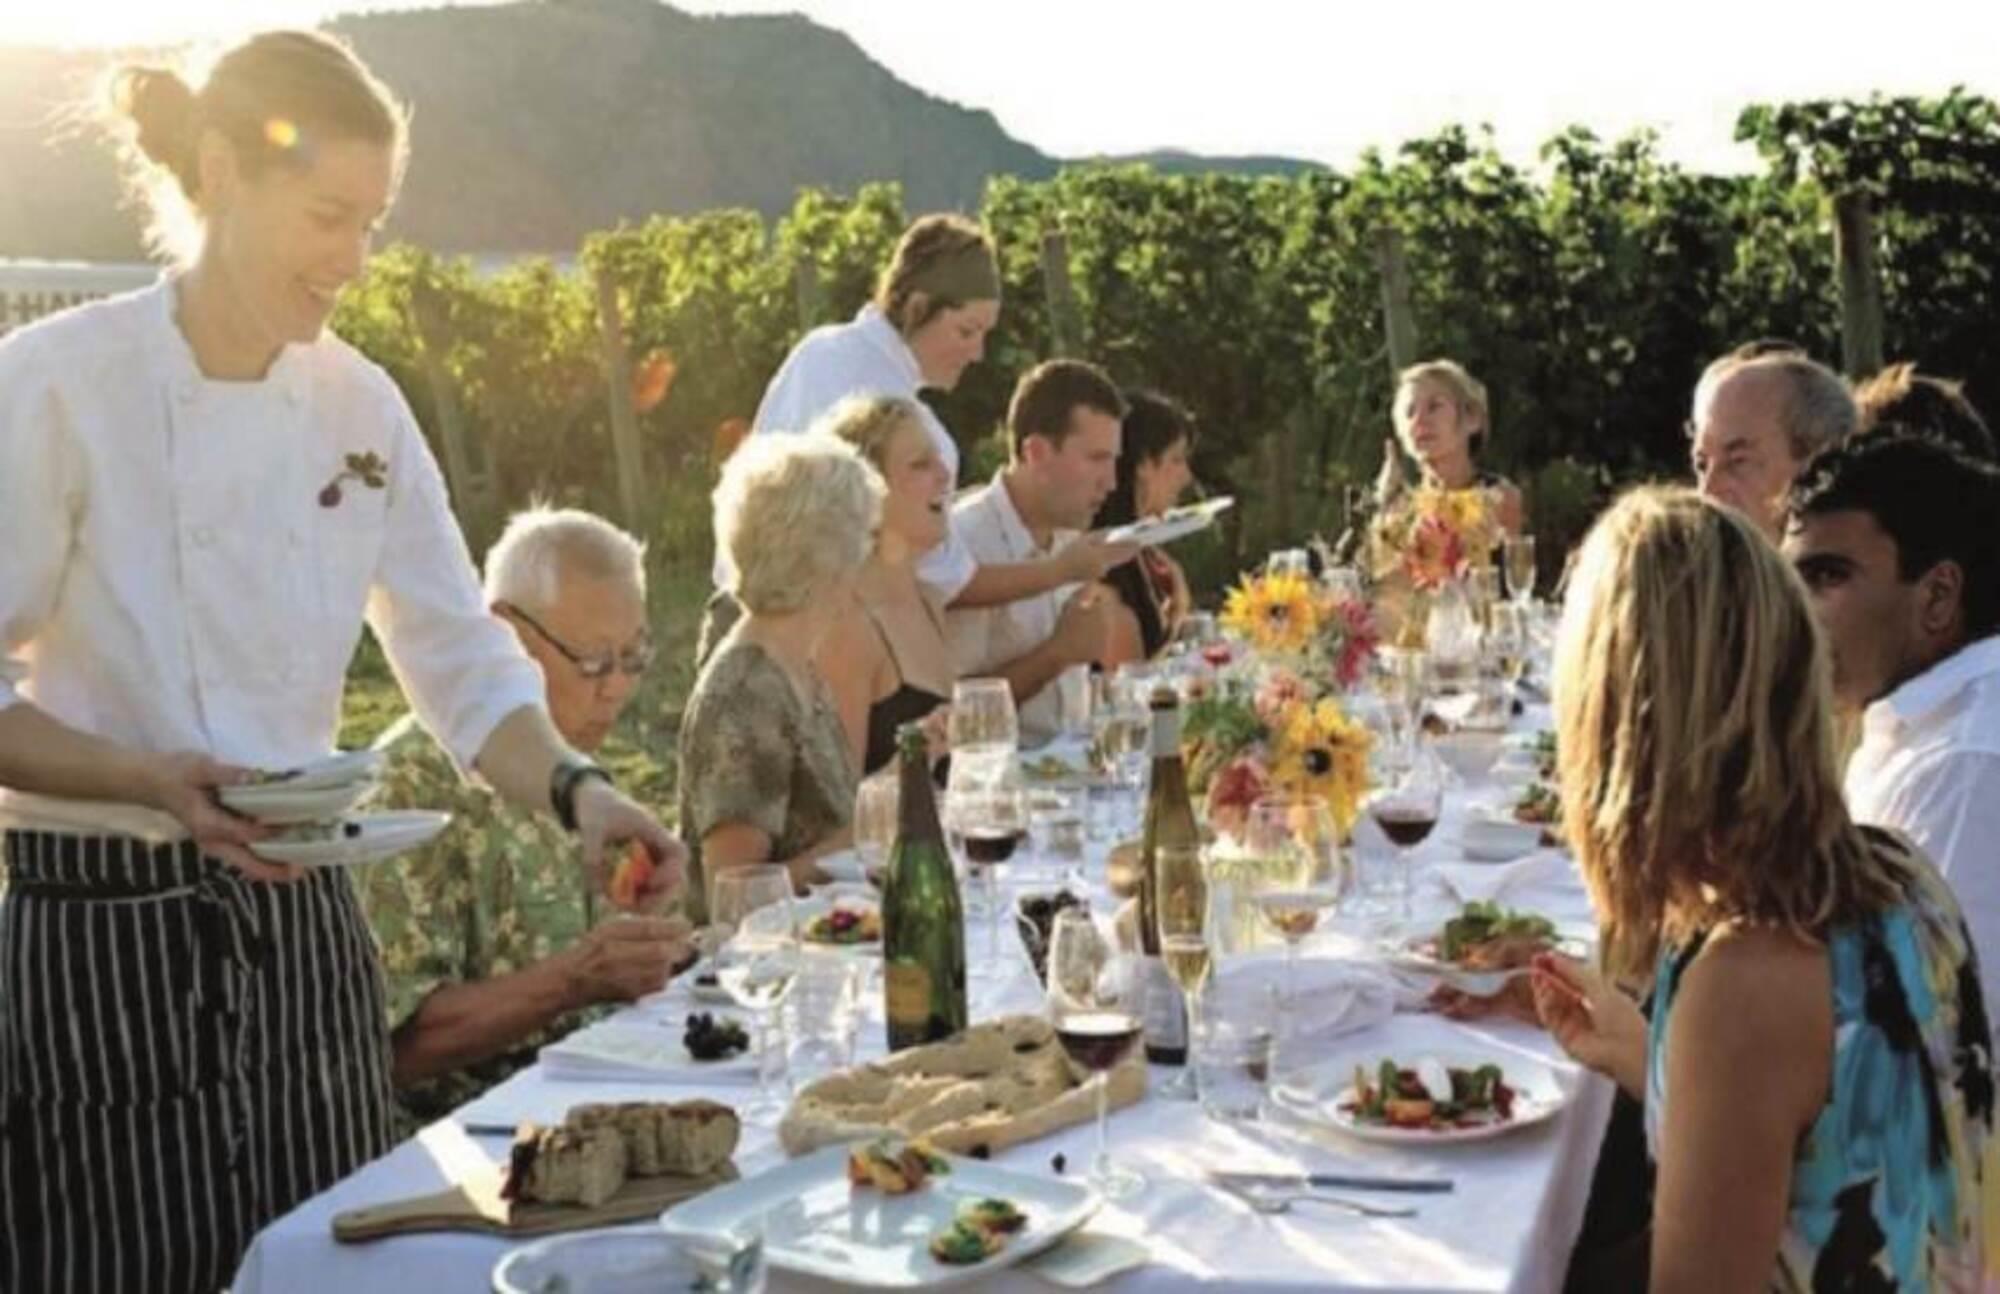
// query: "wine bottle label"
[[907, 994], [1166, 1015]]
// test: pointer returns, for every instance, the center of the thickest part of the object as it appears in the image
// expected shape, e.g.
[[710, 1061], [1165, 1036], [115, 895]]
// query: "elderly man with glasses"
[[494, 941]]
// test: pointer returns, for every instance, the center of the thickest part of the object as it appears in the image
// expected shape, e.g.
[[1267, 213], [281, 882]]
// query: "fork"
[[1268, 1201]]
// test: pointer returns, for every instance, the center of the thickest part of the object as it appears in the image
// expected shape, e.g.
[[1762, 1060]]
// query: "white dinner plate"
[[808, 910], [1316, 1093], [360, 838], [646, 1050], [1176, 523], [1417, 954], [816, 1223], [284, 804], [335, 770], [1489, 838]]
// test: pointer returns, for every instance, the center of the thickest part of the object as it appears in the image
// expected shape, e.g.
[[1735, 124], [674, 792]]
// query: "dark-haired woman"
[[204, 493], [1153, 473]]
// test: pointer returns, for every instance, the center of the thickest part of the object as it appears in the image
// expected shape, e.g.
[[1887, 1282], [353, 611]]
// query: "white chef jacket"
[[865, 356], [169, 579], [1929, 766], [985, 638]]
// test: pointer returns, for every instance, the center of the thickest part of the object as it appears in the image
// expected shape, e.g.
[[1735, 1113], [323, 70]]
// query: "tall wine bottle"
[[923, 919], [1171, 846]]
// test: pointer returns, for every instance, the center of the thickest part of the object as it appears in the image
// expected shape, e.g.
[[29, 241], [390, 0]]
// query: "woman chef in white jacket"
[[204, 495]]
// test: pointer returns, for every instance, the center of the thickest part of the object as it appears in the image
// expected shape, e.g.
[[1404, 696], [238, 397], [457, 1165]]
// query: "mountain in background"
[[536, 123]]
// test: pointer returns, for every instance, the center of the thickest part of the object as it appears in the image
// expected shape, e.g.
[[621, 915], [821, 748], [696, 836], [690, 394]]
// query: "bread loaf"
[[564, 1165]]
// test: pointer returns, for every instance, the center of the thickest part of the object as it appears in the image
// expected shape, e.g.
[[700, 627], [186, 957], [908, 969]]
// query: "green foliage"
[[1587, 292]]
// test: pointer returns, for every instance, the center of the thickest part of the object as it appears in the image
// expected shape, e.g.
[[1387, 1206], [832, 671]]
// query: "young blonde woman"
[[1816, 1080], [204, 496], [888, 660], [1442, 421]]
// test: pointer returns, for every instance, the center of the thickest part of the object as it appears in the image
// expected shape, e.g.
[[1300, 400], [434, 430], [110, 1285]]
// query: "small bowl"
[[1497, 840], [1470, 752]]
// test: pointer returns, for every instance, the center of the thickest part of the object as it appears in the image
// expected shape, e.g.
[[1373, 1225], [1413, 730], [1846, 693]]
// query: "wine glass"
[[983, 722], [1096, 1001], [1407, 810], [1405, 683], [758, 956], [1303, 884], [1182, 915], [1518, 554], [877, 802], [1482, 588], [986, 814], [1509, 638]]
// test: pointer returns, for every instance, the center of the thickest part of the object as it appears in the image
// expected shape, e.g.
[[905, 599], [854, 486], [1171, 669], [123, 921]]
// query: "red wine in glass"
[[1406, 825], [1098, 1040], [1218, 654], [985, 847]]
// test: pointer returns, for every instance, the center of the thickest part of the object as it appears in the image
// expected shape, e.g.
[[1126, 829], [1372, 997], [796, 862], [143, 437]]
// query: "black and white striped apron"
[[185, 1054]]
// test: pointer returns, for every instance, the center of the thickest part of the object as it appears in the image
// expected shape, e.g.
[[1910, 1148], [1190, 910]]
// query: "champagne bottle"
[[1171, 846], [923, 920]]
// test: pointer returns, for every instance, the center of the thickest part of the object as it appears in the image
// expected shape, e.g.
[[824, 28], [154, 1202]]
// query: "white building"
[[31, 289]]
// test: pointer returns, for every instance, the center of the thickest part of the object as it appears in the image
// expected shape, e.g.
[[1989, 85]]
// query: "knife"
[[1336, 1181]]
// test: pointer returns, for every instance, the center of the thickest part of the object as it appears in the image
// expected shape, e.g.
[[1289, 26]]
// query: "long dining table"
[[1507, 1224]]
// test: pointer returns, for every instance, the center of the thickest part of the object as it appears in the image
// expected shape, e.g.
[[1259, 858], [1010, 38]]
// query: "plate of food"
[[1174, 523], [891, 1213], [1438, 1096], [1481, 948], [1540, 804], [340, 769], [842, 918], [356, 838]]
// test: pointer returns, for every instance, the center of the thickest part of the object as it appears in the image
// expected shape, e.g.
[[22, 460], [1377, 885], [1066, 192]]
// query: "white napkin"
[[637, 1053], [1328, 998], [1491, 882]]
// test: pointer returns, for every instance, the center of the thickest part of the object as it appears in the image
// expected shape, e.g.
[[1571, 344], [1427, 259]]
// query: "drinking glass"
[[983, 721], [1509, 639], [1288, 561], [1303, 885], [1056, 830], [826, 1008], [1184, 918], [1343, 582], [1518, 555], [1407, 811], [985, 817], [876, 806], [1405, 684], [1096, 1001], [758, 956], [1233, 1060]]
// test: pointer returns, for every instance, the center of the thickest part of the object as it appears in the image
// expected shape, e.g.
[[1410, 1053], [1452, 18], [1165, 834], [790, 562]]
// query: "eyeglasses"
[[633, 659]]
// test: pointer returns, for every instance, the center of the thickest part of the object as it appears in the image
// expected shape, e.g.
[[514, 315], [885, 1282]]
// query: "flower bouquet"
[[1422, 546], [1289, 619], [1288, 736]]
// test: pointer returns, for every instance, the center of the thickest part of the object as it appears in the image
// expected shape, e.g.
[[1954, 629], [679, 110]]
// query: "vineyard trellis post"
[[1860, 285], [1065, 328], [1399, 324], [427, 317], [624, 418], [805, 288]]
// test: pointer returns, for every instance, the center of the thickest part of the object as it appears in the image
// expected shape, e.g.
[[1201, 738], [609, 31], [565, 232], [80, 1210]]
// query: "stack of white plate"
[[313, 811]]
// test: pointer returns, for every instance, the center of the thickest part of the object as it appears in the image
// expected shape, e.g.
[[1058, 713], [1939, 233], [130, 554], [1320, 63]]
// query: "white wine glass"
[[758, 957], [1184, 917], [1518, 555], [983, 722], [1096, 1001], [1303, 885], [876, 804]]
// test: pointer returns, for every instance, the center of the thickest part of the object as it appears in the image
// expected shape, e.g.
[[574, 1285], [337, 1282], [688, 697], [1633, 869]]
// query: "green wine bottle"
[[923, 920], [1168, 853]]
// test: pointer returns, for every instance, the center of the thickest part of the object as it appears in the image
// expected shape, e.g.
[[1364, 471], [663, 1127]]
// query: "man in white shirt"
[[1064, 425], [1895, 538]]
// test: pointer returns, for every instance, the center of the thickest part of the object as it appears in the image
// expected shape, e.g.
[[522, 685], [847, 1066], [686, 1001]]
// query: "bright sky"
[[1308, 78]]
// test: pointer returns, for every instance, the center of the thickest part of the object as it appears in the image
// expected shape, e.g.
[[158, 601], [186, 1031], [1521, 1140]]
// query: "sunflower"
[[1322, 752], [1276, 612]]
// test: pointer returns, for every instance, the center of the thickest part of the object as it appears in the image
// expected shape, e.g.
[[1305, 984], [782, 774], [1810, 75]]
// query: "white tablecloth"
[[1508, 1226]]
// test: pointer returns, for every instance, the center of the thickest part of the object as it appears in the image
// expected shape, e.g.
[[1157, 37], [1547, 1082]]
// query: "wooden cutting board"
[[475, 1205]]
